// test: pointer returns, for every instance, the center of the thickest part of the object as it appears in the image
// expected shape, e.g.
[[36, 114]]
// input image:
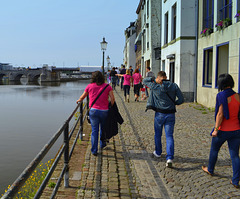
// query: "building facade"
[[129, 49], [179, 44], [138, 41], [218, 46], [149, 12]]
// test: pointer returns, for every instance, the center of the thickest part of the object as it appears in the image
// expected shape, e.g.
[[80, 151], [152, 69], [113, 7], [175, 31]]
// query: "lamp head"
[[103, 44]]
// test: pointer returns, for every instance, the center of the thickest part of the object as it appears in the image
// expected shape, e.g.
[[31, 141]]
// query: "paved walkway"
[[125, 169]]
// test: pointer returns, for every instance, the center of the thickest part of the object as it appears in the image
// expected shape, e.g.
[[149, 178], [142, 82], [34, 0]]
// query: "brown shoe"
[[205, 169], [236, 186]]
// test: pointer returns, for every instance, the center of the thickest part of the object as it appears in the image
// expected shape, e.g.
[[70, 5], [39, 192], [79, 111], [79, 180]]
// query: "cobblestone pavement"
[[126, 169]]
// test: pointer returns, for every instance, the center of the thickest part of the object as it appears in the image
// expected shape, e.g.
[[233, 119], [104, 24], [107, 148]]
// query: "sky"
[[63, 32]]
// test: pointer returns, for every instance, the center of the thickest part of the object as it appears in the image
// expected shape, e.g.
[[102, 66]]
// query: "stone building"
[[179, 44], [129, 49], [149, 12], [218, 46], [138, 41]]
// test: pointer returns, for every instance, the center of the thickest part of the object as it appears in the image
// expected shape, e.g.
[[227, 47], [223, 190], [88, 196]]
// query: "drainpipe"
[[196, 50]]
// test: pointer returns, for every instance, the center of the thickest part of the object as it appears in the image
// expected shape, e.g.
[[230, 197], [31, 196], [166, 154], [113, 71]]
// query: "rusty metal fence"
[[64, 149]]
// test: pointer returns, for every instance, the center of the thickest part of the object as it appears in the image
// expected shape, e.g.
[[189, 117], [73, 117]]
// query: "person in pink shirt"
[[137, 78], [126, 84], [99, 111]]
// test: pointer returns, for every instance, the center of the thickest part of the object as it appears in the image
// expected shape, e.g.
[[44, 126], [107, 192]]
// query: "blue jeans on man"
[[166, 120], [97, 118], [233, 139]]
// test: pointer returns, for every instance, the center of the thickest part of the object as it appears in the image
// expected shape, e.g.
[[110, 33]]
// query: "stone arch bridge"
[[32, 75]]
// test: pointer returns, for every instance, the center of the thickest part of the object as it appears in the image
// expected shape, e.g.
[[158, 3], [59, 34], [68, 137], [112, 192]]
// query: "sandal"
[[236, 186], [205, 169]]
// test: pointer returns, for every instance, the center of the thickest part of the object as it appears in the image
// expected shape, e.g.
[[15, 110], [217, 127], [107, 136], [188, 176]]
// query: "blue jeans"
[[233, 139], [97, 118], [167, 120]]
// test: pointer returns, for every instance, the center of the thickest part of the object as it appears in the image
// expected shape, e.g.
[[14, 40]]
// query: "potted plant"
[[219, 25], [206, 32], [227, 22], [237, 15]]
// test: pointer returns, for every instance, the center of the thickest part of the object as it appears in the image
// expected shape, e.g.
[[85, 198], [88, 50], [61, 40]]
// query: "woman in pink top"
[[99, 111], [137, 78], [126, 84]]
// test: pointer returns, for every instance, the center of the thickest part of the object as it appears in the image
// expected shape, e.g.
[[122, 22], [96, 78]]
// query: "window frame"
[[166, 28], [217, 56], [238, 9], [209, 17], [222, 11], [174, 21], [208, 85]]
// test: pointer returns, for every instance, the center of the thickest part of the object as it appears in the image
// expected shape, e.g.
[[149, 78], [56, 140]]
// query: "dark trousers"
[[126, 89]]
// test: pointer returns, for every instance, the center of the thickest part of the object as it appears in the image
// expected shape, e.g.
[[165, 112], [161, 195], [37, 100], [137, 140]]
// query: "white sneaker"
[[156, 155], [169, 163]]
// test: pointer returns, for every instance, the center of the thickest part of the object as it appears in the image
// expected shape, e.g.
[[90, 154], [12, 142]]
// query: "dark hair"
[[225, 80], [148, 68], [98, 78], [136, 71], [161, 74]]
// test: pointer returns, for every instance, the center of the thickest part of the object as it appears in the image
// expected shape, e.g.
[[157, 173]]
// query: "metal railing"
[[64, 149]]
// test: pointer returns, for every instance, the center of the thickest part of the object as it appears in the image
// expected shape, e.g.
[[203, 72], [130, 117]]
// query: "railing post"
[[81, 121], [66, 156], [87, 102]]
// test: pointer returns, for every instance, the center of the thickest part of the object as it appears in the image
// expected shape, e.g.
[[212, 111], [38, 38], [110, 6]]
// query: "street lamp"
[[108, 61], [103, 47]]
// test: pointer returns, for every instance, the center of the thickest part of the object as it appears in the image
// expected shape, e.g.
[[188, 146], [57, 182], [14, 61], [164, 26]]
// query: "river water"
[[29, 116]]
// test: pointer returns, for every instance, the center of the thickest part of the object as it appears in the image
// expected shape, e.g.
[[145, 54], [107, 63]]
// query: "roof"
[[139, 7]]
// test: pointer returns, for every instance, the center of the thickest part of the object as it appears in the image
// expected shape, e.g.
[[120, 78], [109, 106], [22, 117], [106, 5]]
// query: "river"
[[29, 116]]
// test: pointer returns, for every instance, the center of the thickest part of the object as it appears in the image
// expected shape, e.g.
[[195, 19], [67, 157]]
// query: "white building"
[[179, 43], [129, 58], [218, 47], [150, 35]]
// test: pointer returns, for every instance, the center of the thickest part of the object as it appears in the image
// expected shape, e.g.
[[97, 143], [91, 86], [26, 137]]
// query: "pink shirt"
[[93, 90], [127, 79], [136, 78]]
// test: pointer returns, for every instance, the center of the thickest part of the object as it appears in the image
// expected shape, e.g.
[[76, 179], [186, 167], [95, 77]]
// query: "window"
[[163, 65], [166, 29], [222, 60], [224, 9], [207, 66], [208, 11], [174, 21], [144, 42], [147, 8], [238, 9]]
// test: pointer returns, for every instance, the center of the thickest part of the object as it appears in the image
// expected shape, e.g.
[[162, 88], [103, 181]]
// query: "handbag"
[[88, 117]]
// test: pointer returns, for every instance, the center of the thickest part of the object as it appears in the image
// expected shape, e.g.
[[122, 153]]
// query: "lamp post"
[[108, 61], [103, 47]]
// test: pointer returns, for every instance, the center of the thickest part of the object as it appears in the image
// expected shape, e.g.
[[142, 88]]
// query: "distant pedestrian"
[[108, 77], [122, 72], [113, 78], [118, 72], [143, 89], [126, 84], [99, 111], [227, 127], [163, 98], [149, 74], [131, 70], [137, 79]]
